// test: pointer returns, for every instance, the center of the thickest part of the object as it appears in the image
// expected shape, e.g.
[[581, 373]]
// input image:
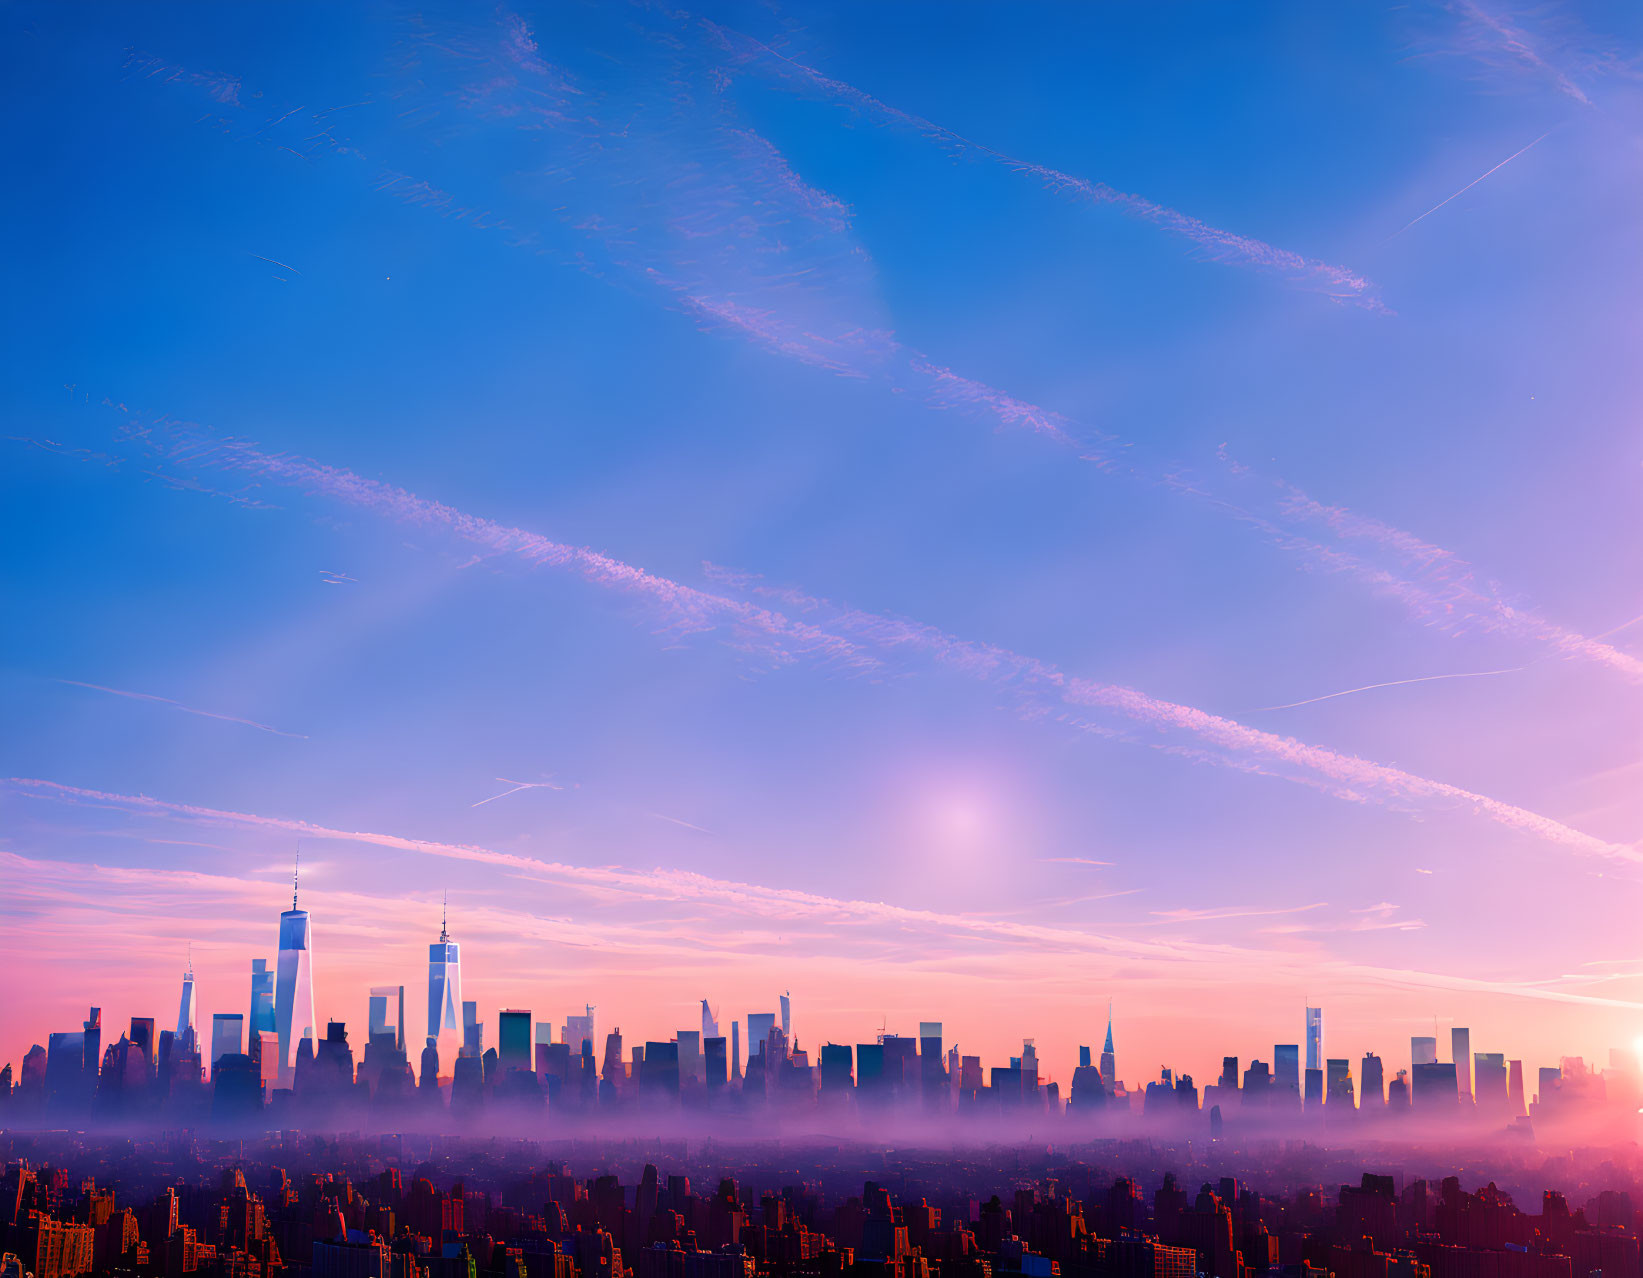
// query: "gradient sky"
[[961, 512]]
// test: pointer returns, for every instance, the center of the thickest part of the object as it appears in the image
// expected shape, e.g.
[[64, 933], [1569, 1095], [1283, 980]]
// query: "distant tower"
[[1314, 1037], [445, 989], [710, 1022], [294, 983], [186, 1011], [1460, 1044], [787, 1016], [1109, 1063], [735, 1051]]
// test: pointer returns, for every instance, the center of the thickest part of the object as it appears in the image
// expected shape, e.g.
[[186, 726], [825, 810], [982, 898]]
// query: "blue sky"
[[772, 303]]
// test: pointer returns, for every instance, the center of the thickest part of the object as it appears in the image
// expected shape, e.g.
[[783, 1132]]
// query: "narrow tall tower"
[[445, 991], [1109, 1062], [710, 1022], [1314, 1037], [294, 982], [186, 1010], [787, 1016]]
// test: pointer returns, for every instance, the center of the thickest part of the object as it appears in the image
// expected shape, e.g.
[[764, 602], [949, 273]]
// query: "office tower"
[[932, 1065], [713, 1057], [735, 1051], [1338, 1082], [93, 1025], [710, 1022], [1109, 1062], [1489, 1081], [1314, 1089], [1286, 1072], [1434, 1086], [1514, 1088], [690, 1056], [1460, 1042], [142, 1035], [579, 1030], [759, 1025], [1084, 1061], [293, 985], [1397, 1091], [1423, 1051], [186, 1010], [382, 998], [263, 1047], [1229, 1073], [445, 990], [787, 1015], [1371, 1083], [835, 1069], [513, 1040], [473, 1032], [1314, 1038], [261, 1015], [227, 1030]]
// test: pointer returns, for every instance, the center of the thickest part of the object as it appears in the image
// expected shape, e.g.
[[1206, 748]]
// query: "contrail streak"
[[167, 701], [1390, 683], [664, 885], [1227, 244], [517, 787], [1469, 185], [868, 641]]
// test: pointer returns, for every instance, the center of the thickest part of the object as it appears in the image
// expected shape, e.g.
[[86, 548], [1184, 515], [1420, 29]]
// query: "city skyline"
[[958, 514], [1317, 1082]]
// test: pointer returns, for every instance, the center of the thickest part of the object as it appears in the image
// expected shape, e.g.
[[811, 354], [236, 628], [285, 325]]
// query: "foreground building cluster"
[[334, 1209], [274, 1065]]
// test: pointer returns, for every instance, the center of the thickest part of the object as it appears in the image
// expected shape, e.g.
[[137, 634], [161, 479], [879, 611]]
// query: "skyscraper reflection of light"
[[1314, 1037], [445, 991], [293, 985]]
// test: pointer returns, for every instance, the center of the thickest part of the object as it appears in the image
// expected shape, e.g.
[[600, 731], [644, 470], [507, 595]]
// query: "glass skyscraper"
[[1314, 1037], [294, 986], [186, 1009], [261, 1018], [445, 988]]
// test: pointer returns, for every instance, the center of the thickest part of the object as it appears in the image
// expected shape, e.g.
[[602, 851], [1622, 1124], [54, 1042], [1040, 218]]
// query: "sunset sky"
[[961, 512]]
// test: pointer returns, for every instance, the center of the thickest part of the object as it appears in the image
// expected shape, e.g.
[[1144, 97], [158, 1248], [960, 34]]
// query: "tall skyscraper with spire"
[[294, 983], [1109, 1062], [186, 1011], [445, 989]]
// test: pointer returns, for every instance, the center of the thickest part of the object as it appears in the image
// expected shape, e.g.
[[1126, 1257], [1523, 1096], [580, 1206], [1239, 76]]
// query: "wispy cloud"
[[861, 641], [1220, 244], [1072, 860], [178, 705], [372, 917], [1216, 915], [1493, 37]]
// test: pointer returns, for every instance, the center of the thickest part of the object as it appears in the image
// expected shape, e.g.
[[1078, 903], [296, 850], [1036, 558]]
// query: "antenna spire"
[[191, 960], [295, 872], [443, 901]]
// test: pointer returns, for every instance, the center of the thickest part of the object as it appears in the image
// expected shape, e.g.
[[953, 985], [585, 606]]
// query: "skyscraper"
[[1372, 1086], [710, 1022], [1314, 1038], [1109, 1062], [261, 1018], [226, 1034], [445, 991], [186, 1009], [294, 986], [1423, 1051], [1460, 1044], [513, 1040], [1286, 1072], [787, 1016]]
